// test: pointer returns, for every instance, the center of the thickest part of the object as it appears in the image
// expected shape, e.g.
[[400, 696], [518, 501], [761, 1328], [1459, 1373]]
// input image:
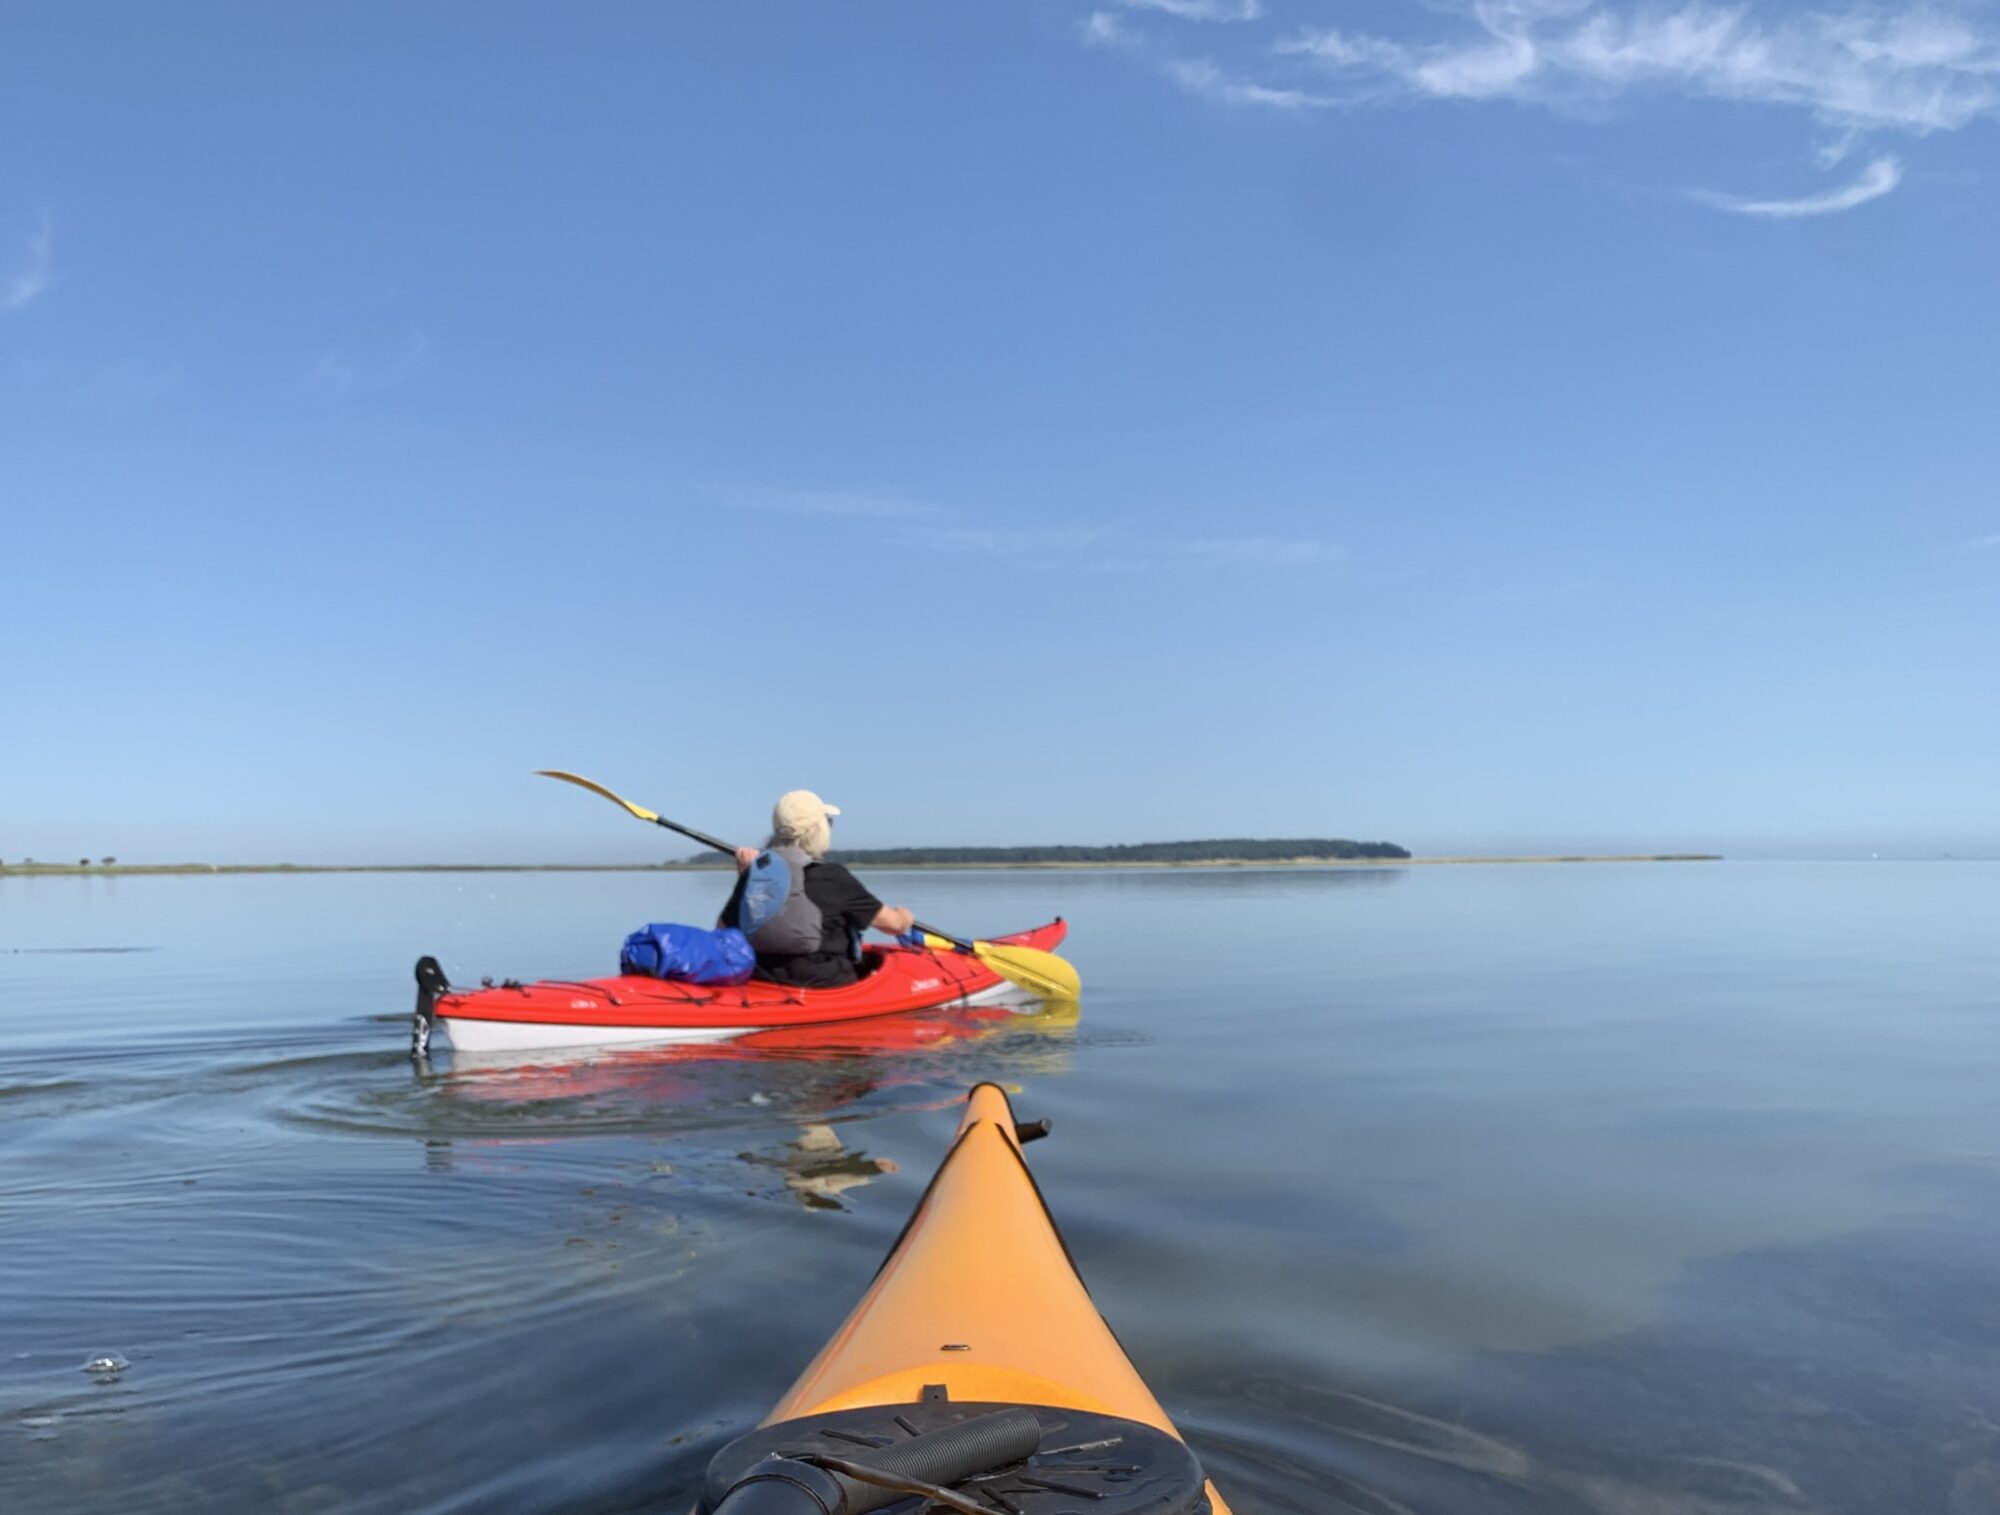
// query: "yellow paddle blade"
[[1040, 973], [596, 788]]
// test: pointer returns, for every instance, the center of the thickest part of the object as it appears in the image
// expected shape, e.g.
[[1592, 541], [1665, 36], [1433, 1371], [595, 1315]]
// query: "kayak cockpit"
[[1029, 1460]]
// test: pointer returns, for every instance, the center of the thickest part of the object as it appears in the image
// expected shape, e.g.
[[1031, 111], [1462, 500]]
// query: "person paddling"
[[814, 941]]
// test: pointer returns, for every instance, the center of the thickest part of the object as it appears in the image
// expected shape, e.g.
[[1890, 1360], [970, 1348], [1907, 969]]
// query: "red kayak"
[[633, 1011]]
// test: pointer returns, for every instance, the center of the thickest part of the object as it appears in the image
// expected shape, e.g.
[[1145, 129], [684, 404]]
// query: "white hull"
[[527, 1036], [469, 1035]]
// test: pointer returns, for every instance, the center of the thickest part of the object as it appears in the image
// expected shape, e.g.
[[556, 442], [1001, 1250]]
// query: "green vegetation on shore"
[[1226, 850]]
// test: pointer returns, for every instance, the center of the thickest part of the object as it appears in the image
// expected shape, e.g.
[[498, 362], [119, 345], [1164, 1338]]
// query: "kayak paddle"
[[1040, 973]]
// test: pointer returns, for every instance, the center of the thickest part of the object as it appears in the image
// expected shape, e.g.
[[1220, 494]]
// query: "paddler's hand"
[[894, 919], [745, 856]]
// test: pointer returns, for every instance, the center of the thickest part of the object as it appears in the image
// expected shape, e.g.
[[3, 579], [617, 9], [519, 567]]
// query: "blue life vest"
[[775, 912]]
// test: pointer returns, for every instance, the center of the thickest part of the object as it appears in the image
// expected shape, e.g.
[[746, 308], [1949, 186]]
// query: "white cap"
[[800, 814]]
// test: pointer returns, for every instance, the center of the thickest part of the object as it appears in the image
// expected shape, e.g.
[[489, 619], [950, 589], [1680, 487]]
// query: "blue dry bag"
[[689, 953]]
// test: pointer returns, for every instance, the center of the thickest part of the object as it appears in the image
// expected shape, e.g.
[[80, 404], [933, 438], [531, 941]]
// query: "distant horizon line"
[[116, 869]]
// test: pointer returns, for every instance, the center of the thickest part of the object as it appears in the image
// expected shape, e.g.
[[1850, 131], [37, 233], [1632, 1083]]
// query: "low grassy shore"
[[120, 870]]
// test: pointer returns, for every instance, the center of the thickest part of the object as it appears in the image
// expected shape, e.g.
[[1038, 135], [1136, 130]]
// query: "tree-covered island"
[[1223, 850]]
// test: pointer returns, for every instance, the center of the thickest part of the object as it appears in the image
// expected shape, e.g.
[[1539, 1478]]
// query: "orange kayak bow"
[[975, 1374]]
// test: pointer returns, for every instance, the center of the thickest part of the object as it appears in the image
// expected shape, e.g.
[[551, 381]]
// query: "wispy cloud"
[[1198, 76], [1990, 540], [1201, 10], [1121, 549], [1103, 545], [850, 504], [1853, 72], [1253, 552], [26, 283], [1833, 151], [1912, 71], [343, 376], [1875, 181], [1016, 541]]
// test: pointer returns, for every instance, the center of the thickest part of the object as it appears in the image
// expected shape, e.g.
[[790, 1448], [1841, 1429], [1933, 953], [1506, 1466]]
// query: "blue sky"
[[1494, 427]]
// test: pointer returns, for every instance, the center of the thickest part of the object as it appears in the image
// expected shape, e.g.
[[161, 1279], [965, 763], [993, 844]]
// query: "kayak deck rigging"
[[1120, 1466]]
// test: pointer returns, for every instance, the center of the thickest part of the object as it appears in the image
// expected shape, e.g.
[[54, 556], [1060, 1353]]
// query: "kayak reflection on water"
[[793, 1077], [818, 1168]]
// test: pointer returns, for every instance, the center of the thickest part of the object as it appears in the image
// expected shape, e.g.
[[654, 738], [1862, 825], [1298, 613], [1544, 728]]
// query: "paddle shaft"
[[696, 836]]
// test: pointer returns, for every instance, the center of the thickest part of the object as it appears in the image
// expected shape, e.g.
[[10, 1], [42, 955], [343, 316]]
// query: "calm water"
[[1630, 1189]]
